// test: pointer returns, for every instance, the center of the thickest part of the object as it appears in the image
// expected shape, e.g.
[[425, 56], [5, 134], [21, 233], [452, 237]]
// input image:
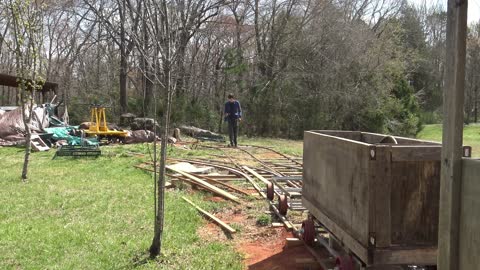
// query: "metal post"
[[451, 172]]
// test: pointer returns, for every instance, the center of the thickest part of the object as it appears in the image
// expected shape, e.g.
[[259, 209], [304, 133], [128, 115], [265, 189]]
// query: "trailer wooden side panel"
[[415, 198], [335, 181]]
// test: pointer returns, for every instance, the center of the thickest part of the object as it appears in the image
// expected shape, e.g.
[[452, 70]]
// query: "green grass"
[[289, 147], [471, 136], [264, 220], [97, 214]]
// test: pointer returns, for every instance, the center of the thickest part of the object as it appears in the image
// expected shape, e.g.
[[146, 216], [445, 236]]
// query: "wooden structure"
[[377, 194], [12, 81], [38, 144], [454, 84]]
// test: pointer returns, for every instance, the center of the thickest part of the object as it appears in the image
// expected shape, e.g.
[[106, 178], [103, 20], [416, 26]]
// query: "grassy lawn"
[[471, 136], [97, 214], [289, 147]]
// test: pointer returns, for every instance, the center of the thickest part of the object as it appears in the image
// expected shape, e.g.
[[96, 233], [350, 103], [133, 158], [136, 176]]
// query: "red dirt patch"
[[262, 247], [271, 253]]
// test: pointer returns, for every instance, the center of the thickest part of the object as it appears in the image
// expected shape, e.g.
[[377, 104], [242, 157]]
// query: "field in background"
[[471, 136]]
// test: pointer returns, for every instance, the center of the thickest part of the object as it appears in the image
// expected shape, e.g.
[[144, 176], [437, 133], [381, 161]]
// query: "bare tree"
[[123, 13], [27, 35]]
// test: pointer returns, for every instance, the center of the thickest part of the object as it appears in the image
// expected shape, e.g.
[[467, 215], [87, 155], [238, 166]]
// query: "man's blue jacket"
[[233, 109]]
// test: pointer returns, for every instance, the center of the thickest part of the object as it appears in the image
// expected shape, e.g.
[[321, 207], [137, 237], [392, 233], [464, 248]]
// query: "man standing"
[[233, 114]]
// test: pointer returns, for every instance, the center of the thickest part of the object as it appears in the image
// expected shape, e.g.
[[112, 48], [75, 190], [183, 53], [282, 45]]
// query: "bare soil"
[[263, 247]]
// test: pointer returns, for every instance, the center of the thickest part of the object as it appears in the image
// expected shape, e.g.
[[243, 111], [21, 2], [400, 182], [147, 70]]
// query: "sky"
[[473, 7]]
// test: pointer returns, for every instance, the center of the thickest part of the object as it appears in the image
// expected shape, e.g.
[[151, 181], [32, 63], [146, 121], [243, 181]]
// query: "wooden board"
[[206, 185], [232, 170], [469, 237], [212, 217], [415, 202], [335, 181], [258, 176]]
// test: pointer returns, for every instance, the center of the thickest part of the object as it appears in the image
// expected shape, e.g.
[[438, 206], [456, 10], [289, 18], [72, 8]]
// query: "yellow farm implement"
[[98, 126]]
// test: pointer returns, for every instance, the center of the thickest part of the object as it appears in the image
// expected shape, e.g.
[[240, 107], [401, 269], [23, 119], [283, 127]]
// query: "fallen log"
[[212, 217], [206, 185], [201, 134]]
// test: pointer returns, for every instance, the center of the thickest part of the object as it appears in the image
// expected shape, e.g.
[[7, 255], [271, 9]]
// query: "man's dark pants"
[[233, 131]]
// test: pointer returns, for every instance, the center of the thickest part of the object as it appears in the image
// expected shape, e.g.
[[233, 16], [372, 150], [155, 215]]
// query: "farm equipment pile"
[[50, 130]]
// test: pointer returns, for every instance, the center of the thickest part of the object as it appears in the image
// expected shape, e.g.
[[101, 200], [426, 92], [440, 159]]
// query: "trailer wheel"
[[344, 263], [308, 235], [270, 194], [282, 205]]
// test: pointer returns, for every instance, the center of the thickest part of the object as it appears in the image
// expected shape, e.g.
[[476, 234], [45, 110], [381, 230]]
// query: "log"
[[201, 133], [212, 217]]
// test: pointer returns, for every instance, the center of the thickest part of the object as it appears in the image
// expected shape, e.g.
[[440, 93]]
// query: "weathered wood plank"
[[258, 176], [212, 217], [469, 249], [211, 180], [288, 225], [335, 180], [415, 202], [380, 187], [453, 114], [416, 153], [413, 256], [206, 185], [232, 170]]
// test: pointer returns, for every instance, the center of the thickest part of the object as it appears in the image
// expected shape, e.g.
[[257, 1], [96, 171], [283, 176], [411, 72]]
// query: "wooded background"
[[371, 65]]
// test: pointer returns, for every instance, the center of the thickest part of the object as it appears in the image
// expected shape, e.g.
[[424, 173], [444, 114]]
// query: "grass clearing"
[[97, 214], [471, 136], [288, 147]]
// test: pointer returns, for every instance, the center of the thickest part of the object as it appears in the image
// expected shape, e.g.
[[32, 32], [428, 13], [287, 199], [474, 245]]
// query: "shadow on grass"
[[141, 259]]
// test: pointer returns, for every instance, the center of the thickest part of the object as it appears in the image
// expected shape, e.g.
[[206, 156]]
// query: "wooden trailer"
[[377, 194]]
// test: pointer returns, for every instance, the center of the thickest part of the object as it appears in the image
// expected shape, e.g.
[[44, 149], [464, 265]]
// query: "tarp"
[[11, 122], [63, 133]]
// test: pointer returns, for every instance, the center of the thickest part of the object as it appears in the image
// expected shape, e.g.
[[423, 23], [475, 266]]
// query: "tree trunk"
[[147, 70], [156, 247], [26, 121], [28, 150], [123, 82], [123, 61], [475, 104]]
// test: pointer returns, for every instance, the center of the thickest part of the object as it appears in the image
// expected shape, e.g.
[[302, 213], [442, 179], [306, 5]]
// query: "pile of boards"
[[200, 177]]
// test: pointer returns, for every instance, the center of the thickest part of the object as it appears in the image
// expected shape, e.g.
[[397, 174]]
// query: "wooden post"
[[451, 172]]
